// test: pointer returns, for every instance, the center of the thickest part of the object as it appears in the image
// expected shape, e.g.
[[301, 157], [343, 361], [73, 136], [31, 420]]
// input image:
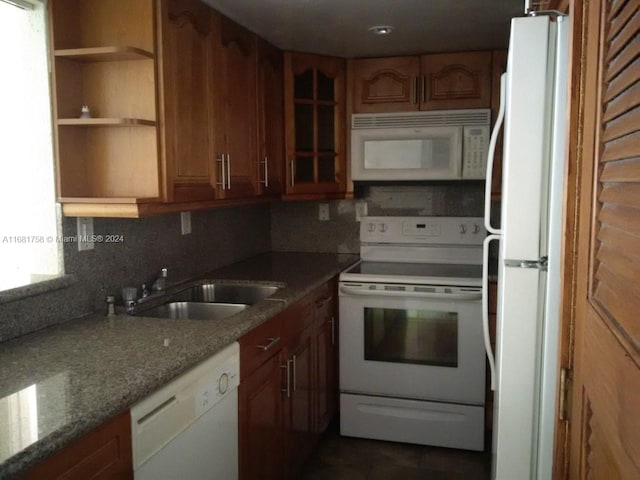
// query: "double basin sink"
[[204, 301]]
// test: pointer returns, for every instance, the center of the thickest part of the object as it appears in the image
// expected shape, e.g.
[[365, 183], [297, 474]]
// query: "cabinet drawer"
[[299, 316], [260, 344]]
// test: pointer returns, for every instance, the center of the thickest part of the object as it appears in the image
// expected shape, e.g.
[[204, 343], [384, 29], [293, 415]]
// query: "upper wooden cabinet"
[[314, 89], [386, 84], [102, 56], [430, 82], [456, 80], [235, 123], [270, 118], [186, 34]]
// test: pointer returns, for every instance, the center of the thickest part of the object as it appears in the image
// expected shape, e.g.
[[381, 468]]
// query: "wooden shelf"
[[106, 122], [104, 200], [103, 54]]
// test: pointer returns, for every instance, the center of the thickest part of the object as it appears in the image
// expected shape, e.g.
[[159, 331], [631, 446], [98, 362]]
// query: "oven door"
[[412, 341]]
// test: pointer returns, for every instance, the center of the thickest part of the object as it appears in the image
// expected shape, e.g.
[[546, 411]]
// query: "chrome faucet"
[[158, 284]]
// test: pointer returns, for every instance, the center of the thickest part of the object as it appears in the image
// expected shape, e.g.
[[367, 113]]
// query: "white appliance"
[[533, 107], [189, 428], [435, 145], [412, 361]]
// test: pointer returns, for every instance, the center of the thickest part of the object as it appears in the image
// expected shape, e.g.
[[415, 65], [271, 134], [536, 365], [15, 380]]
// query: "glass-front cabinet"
[[315, 124]]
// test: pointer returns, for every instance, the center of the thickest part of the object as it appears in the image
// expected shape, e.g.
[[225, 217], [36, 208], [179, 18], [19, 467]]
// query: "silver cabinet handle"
[[223, 183], [293, 180], [333, 330], [228, 172], [287, 368], [423, 94], [272, 341], [293, 361], [415, 90], [265, 162]]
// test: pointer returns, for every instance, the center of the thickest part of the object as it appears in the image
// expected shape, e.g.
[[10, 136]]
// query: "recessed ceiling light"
[[381, 29]]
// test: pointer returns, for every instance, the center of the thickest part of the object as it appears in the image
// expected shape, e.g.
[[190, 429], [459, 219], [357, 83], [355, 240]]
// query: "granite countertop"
[[59, 383]]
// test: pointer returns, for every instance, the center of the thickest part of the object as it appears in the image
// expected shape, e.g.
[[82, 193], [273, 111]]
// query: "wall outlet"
[[85, 234], [323, 212], [185, 222], [361, 210]]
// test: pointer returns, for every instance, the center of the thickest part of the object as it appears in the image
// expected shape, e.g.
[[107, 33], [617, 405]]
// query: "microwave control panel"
[[475, 150]]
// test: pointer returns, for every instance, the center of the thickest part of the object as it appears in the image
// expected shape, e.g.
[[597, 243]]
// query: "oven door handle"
[[355, 291]]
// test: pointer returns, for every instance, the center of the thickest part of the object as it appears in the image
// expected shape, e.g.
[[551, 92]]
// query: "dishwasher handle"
[[355, 291]]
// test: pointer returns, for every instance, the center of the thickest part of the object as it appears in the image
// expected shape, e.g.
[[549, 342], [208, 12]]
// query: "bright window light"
[[29, 215]]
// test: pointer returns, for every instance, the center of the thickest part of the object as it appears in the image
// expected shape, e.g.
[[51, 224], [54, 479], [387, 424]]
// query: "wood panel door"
[[261, 419], [300, 421], [185, 64], [270, 118], [326, 361], [605, 283], [386, 84], [456, 80], [236, 94]]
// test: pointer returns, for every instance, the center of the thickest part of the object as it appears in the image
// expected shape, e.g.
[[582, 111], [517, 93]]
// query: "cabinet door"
[[260, 414], [300, 421], [103, 453], [326, 362], [456, 80], [386, 84], [237, 124], [271, 118], [314, 124], [185, 66]]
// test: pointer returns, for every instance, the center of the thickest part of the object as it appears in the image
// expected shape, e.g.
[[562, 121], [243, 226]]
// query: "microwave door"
[[408, 154]]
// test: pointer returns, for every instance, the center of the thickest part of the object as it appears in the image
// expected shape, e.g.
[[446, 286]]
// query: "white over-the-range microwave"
[[434, 145]]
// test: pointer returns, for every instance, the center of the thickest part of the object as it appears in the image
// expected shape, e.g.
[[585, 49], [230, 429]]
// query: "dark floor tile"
[[333, 472], [394, 472], [456, 461], [337, 450]]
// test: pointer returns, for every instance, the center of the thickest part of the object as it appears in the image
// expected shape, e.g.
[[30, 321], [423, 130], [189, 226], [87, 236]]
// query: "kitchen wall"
[[295, 226], [219, 237]]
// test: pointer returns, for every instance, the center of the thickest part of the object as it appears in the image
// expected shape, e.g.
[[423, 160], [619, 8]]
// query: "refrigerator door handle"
[[485, 307], [491, 155]]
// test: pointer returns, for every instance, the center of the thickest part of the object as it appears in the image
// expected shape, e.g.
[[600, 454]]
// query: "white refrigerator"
[[524, 374]]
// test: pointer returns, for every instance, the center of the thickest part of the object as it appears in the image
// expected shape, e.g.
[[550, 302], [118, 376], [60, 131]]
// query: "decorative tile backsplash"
[[219, 237], [295, 226]]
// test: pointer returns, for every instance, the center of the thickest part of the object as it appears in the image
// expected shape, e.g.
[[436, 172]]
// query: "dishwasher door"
[[188, 430], [208, 449]]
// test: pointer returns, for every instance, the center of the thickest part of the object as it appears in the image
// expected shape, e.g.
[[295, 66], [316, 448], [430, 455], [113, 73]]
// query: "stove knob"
[[371, 227], [462, 228], [383, 227], [476, 229]]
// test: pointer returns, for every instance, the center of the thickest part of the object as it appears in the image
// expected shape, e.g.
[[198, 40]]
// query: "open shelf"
[[104, 54], [106, 122]]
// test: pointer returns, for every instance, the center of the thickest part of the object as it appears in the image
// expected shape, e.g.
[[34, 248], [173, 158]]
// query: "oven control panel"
[[423, 230]]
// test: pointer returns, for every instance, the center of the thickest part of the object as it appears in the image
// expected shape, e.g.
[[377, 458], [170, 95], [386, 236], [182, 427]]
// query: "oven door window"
[[423, 337]]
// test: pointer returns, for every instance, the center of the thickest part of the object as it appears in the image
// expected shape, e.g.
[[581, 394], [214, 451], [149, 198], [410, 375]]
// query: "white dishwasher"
[[188, 430]]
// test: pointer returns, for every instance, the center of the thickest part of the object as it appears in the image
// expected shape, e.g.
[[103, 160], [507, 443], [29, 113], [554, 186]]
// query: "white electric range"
[[412, 358]]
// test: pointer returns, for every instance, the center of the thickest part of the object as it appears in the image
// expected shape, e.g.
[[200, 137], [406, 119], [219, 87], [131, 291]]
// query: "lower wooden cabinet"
[[260, 414], [288, 388], [104, 453]]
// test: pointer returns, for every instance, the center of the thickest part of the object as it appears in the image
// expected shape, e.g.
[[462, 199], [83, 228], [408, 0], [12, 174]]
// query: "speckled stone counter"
[[60, 383]]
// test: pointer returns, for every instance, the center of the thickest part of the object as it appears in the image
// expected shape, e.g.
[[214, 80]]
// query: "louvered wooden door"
[[605, 431]]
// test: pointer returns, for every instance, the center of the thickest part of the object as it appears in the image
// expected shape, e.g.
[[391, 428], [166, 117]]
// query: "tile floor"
[[338, 458]]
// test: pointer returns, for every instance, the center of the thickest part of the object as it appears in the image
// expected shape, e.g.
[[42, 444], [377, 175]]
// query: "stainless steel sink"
[[204, 301], [224, 293], [193, 310]]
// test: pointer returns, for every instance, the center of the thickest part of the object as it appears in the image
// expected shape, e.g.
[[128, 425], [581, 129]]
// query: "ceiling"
[[340, 27]]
